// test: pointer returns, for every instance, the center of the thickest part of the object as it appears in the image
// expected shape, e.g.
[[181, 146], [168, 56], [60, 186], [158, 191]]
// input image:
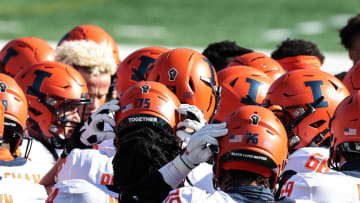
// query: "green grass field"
[[183, 22]]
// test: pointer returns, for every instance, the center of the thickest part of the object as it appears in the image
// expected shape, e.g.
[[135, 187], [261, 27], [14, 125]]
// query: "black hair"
[[245, 177], [297, 47], [219, 53], [141, 150], [349, 31], [351, 157], [13, 134]]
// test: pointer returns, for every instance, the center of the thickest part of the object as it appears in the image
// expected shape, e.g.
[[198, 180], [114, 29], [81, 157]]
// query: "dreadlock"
[[141, 150]]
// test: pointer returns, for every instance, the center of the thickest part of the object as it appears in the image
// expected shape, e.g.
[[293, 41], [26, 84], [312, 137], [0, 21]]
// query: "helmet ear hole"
[[334, 85], [191, 85], [232, 83], [34, 111], [317, 124]]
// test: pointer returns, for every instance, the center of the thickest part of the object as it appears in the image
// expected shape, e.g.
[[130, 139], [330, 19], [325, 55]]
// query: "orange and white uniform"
[[40, 154], [94, 166], [323, 187], [308, 159], [78, 190], [20, 168], [21, 191]]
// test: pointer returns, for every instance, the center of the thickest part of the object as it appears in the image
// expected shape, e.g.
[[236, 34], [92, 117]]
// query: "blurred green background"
[[251, 23]]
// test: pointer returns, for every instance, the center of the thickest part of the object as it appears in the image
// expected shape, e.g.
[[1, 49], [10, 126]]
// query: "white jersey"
[[91, 165], [308, 159], [201, 177], [323, 188], [20, 191], [21, 168], [108, 147], [193, 194], [81, 191], [39, 153]]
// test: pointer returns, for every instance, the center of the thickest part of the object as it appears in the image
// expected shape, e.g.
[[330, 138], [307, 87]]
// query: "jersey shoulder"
[[78, 190], [330, 187]]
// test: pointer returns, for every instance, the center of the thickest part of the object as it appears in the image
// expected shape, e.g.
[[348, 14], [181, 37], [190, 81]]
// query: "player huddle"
[[175, 125]]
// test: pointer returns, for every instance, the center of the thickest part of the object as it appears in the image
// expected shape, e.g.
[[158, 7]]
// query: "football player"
[[305, 101], [15, 170], [250, 158], [148, 114], [134, 68], [341, 185], [22, 52], [94, 53], [12, 165], [191, 77], [294, 54], [261, 62], [222, 53], [56, 93]]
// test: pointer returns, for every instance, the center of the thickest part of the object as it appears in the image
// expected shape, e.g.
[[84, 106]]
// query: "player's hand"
[[193, 121], [200, 148], [202, 144], [99, 126]]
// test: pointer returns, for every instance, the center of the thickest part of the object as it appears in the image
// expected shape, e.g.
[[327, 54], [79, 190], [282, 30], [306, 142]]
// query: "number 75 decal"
[[144, 103]]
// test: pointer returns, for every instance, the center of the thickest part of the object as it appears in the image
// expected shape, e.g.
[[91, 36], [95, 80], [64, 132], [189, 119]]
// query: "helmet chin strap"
[[294, 139], [217, 94]]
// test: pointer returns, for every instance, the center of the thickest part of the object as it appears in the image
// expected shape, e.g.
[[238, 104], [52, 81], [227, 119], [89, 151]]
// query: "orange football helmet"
[[16, 110], [93, 33], [345, 129], [256, 142], [24, 51], [305, 101], [351, 79], [148, 103], [241, 85], [50, 87], [191, 77], [135, 66], [260, 61], [300, 62]]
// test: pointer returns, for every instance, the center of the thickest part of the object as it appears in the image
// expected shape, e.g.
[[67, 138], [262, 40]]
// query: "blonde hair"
[[98, 58]]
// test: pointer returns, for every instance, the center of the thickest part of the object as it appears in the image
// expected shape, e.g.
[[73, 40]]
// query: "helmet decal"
[[10, 52], [40, 76], [253, 91], [5, 103], [316, 91], [143, 68], [253, 137], [235, 138], [145, 88], [255, 119], [3, 87], [172, 74]]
